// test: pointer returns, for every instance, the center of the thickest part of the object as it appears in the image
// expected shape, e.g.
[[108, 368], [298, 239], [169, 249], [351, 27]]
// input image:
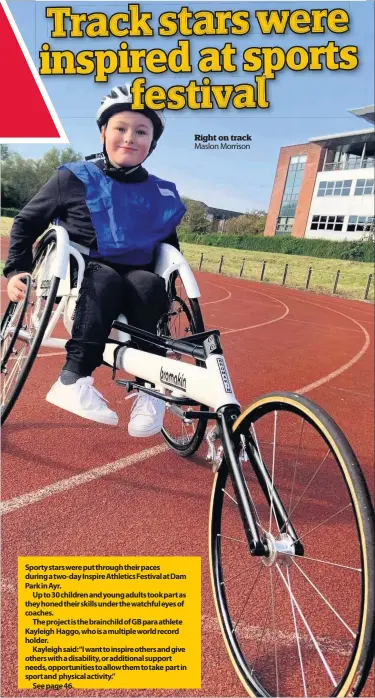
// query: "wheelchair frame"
[[169, 260]]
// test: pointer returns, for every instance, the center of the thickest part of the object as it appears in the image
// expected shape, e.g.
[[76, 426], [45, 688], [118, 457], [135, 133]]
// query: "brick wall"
[[315, 157]]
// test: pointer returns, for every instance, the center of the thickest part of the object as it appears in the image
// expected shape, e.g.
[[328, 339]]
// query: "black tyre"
[[296, 624], [184, 318], [12, 323], [21, 338]]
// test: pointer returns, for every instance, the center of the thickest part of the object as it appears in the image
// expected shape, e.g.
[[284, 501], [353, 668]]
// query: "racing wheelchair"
[[291, 527]]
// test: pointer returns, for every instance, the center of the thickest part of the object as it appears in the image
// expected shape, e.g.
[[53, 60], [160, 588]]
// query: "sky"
[[304, 104]]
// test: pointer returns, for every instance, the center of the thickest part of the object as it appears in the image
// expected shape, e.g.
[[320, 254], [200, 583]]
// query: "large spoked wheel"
[[24, 324], [296, 625], [184, 318]]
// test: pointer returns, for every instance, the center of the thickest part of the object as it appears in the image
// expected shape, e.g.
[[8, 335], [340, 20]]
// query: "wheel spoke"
[[324, 598], [236, 540], [295, 470], [272, 510], [306, 488], [326, 562], [228, 495], [295, 630], [314, 641], [329, 518], [274, 630], [247, 597], [262, 635], [273, 463]]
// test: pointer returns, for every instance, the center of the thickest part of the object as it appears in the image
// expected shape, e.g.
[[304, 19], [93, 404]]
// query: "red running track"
[[274, 338]]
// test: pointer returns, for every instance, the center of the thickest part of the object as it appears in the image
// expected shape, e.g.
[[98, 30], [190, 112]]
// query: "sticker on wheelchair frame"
[[224, 375], [175, 380]]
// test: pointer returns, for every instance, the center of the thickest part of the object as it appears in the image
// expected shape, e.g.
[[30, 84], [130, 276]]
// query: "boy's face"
[[128, 137]]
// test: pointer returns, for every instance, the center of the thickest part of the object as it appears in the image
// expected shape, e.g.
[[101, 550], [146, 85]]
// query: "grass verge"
[[352, 281]]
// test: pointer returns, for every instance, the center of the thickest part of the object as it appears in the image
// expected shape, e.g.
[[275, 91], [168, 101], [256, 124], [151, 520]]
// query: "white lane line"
[[353, 392], [220, 300], [261, 324], [330, 327], [344, 367], [338, 371], [328, 297], [63, 485], [245, 630], [221, 327], [341, 369]]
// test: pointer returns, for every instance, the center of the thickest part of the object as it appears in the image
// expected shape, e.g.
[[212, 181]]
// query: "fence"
[[335, 288]]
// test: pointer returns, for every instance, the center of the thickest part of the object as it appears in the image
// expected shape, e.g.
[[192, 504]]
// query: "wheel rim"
[[293, 629], [32, 311], [11, 324], [179, 323]]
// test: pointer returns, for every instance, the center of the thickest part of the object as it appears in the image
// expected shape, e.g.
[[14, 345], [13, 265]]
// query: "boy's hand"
[[16, 288]]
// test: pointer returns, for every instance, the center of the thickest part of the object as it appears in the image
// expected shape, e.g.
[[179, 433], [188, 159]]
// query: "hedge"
[[347, 249], [9, 212]]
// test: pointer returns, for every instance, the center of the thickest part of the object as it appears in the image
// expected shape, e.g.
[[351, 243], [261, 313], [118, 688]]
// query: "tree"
[[250, 223], [21, 178], [18, 181], [52, 159], [4, 152], [195, 219]]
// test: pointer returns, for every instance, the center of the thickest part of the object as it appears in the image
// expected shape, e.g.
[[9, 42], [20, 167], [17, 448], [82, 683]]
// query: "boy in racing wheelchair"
[[118, 214]]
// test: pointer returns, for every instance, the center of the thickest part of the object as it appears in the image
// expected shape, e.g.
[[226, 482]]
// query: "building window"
[[360, 224], [284, 225], [339, 188], [364, 186], [292, 186], [327, 223]]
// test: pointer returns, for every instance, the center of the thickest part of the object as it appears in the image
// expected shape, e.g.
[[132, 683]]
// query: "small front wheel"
[[24, 324], [298, 621]]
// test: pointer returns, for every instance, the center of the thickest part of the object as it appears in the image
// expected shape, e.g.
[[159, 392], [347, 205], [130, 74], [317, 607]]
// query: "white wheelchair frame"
[[209, 385]]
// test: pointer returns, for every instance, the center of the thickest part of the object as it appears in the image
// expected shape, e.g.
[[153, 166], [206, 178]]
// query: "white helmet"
[[120, 99]]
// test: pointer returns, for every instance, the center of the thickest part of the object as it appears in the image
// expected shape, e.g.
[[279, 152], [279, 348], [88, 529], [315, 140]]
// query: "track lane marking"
[[341, 369], [24, 500], [354, 392], [261, 324], [330, 327], [220, 300]]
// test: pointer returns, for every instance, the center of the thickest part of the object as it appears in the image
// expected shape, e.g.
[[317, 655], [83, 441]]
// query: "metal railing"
[[356, 164]]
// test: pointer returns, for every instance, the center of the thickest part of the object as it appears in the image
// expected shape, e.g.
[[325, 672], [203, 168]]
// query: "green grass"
[[353, 275], [5, 226]]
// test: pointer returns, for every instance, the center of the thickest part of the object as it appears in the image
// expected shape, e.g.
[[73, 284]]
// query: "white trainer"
[[147, 415], [82, 399]]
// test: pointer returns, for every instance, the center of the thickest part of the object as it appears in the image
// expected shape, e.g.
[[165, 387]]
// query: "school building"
[[325, 188]]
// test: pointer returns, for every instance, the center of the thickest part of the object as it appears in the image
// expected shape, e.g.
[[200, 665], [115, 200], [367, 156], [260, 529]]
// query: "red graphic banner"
[[24, 112]]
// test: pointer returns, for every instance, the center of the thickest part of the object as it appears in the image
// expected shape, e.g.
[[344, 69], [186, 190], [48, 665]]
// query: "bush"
[[9, 212], [329, 249]]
